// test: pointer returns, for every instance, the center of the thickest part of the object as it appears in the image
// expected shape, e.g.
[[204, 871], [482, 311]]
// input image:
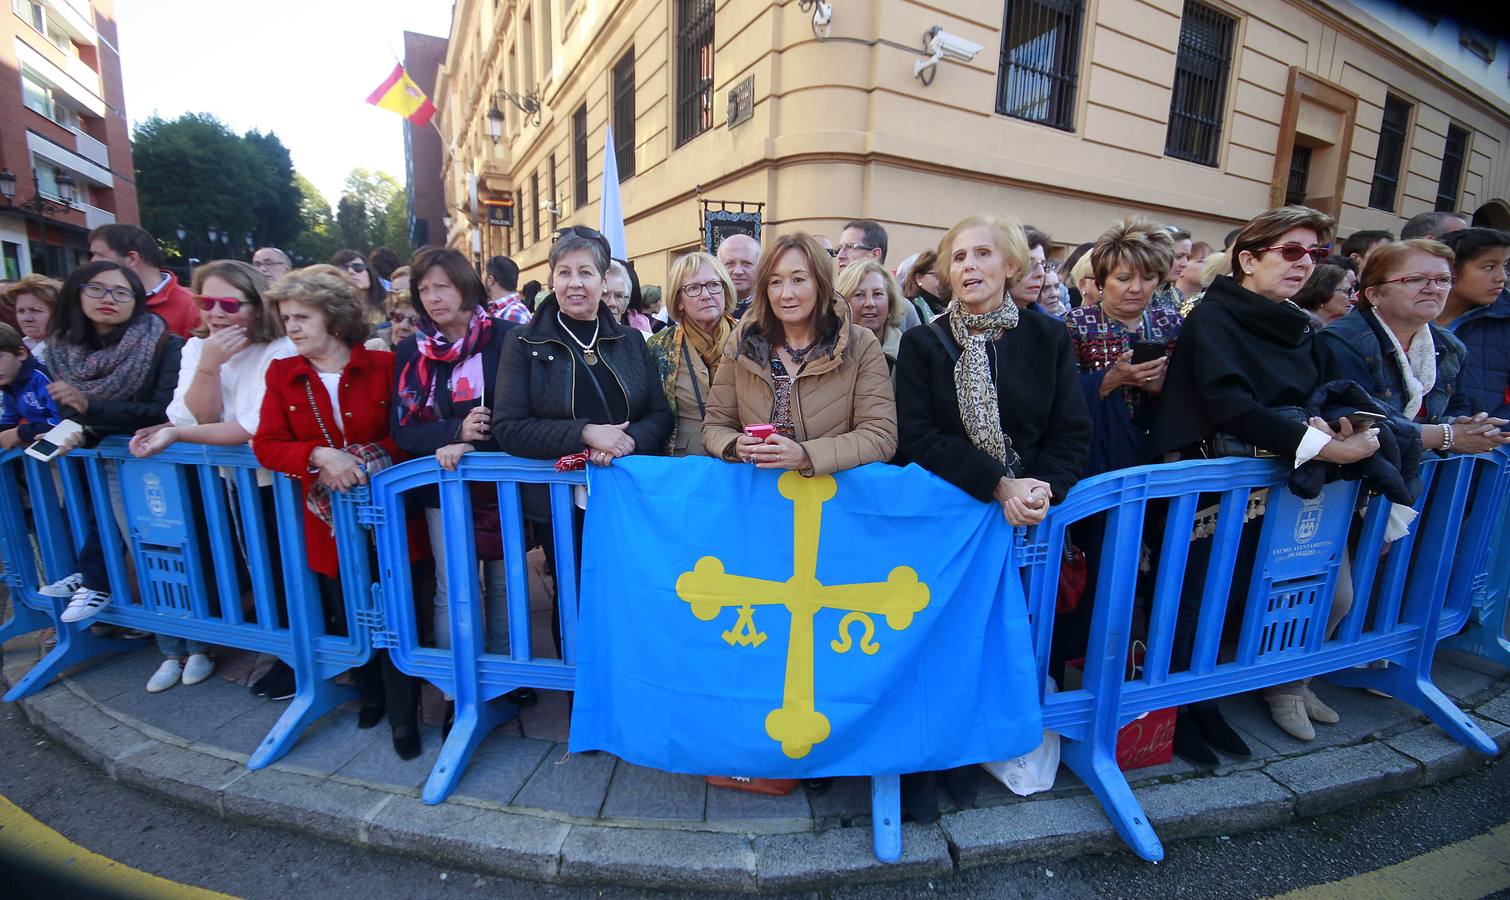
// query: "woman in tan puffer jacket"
[[798, 364]]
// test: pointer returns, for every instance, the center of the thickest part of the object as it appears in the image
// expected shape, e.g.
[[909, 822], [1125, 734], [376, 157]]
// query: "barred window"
[[1300, 175], [535, 201], [623, 114], [579, 156], [694, 68], [1391, 153], [1452, 169], [1201, 67], [1040, 61], [519, 212], [550, 192]]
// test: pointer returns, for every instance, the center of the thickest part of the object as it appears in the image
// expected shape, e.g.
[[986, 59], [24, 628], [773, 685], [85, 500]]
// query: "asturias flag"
[[738, 621], [398, 93]]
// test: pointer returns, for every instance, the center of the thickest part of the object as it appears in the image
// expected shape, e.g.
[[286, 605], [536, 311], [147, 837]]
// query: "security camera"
[[823, 13], [952, 46]]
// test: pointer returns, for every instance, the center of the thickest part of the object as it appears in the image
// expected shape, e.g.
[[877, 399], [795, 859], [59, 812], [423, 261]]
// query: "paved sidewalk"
[[527, 808]]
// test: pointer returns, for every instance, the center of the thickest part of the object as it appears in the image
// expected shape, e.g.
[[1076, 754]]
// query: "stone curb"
[[541, 848]]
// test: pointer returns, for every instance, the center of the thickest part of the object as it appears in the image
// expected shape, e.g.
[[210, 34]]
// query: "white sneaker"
[[165, 677], [85, 603], [64, 587], [198, 668]]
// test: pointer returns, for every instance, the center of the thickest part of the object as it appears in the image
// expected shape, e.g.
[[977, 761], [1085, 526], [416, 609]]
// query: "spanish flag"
[[398, 93]]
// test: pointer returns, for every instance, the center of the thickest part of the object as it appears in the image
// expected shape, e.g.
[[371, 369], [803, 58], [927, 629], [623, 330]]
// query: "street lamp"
[[529, 104], [38, 204]]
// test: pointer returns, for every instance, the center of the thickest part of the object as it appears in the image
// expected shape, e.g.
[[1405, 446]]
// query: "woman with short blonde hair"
[[325, 289], [687, 354], [875, 302], [32, 300]]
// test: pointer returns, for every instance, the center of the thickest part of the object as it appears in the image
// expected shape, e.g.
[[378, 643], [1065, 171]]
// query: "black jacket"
[[424, 438], [148, 406], [1239, 356], [533, 408], [1394, 470], [1042, 408]]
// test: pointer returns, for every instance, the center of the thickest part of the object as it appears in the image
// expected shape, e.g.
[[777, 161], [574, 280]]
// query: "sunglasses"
[[228, 305], [356, 267], [1292, 252]]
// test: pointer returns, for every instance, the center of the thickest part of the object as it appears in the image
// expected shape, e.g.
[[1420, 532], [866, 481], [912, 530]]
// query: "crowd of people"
[[984, 361]]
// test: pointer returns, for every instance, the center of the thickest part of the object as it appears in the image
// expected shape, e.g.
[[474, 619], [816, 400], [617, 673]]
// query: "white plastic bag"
[[1035, 770]]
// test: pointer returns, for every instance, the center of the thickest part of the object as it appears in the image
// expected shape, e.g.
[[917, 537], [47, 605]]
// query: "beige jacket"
[[842, 404]]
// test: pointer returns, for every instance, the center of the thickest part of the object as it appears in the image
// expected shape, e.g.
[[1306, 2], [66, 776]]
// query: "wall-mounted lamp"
[[529, 104]]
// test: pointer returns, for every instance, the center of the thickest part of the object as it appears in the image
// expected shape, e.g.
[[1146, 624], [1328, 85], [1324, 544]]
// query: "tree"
[[318, 238], [373, 212], [278, 209]]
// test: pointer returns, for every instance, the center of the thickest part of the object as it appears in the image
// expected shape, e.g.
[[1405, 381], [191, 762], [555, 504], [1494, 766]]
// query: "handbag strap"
[[697, 391], [944, 339], [593, 378], [314, 407]]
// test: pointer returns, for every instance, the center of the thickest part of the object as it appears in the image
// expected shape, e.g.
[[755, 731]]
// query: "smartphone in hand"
[[760, 432], [1361, 420], [1148, 351]]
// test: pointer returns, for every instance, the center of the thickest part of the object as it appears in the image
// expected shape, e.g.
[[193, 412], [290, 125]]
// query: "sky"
[[300, 68]]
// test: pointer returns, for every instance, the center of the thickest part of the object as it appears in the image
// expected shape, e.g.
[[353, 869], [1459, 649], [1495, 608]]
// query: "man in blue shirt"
[[27, 411]]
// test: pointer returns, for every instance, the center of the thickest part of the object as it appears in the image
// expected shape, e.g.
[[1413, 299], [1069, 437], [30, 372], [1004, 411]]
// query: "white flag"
[[611, 222]]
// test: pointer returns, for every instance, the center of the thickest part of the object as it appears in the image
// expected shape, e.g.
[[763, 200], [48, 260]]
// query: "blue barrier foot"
[[886, 817], [23, 620], [314, 697], [473, 723], [1424, 696], [76, 643], [1481, 640], [1097, 767]]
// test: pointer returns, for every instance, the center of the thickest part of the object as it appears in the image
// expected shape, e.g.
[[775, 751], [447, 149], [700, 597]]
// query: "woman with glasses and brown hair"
[[1390, 346], [369, 287], [1246, 358], [688, 353], [1328, 294]]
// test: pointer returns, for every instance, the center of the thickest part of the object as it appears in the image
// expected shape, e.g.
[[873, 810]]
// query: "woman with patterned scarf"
[[446, 373], [988, 399], [687, 353], [114, 366]]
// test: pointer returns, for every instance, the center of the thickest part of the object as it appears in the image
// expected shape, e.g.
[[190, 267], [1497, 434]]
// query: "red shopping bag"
[[1143, 742]]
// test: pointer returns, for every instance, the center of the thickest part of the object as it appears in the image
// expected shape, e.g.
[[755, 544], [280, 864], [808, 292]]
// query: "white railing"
[[94, 217], [92, 150]]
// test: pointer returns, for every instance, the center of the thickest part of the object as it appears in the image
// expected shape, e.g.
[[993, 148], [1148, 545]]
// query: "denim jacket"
[[1360, 351]]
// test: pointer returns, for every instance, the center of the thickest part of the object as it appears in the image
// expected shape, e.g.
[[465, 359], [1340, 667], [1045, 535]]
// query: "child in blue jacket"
[[27, 411]]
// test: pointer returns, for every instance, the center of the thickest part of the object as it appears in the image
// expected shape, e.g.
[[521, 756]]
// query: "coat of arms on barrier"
[[796, 724], [1307, 520]]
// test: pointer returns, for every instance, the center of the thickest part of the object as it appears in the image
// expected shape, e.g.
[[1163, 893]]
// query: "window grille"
[[1391, 153], [694, 68], [623, 114], [579, 156], [1040, 61], [1452, 169], [1300, 175], [1201, 67]]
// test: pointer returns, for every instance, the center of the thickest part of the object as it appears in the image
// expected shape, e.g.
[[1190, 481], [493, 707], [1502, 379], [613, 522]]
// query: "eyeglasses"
[[853, 248], [1044, 265], [1292, 252], [272, 264], [228, 305], [403, 318], [714, 289], [96, 291], [356, 268], [1418, 283], [1348, 291]]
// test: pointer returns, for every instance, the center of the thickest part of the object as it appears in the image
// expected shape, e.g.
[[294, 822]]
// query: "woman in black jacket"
[[576, 380], [1245, 356], [1025, 435], [114, 366], [988, 398], [446, 372]]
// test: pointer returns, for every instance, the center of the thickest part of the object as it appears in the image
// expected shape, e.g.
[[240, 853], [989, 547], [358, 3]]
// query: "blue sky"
[[301, 68]]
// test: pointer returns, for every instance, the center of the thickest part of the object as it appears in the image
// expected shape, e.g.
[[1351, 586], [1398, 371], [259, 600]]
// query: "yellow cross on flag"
[[398, 93]]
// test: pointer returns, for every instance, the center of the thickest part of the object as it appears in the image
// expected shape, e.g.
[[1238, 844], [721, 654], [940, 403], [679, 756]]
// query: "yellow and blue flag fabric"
[[738, 621], [398, 93]]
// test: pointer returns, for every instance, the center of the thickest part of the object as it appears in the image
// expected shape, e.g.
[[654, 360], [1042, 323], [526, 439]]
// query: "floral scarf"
[[417, 382], [115, 371], [974, 388], [1418, 367]]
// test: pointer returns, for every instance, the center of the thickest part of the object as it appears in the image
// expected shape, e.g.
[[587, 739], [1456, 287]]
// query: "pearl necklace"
[[589, 349]]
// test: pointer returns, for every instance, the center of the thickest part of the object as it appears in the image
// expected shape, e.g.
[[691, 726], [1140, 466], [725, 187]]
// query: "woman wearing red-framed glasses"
[[1247, 360]]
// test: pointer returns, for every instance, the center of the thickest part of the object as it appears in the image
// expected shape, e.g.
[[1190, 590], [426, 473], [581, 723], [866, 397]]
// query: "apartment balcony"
[[94, 217], [92, 150], [77, 18]]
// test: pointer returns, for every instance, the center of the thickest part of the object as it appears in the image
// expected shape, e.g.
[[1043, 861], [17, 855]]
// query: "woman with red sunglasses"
[[222, 376], [1246, 360]]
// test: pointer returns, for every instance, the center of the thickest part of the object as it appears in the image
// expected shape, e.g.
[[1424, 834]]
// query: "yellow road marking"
[[1468, 869], [22, 837]]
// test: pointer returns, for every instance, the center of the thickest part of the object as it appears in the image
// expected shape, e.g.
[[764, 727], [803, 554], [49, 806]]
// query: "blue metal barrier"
[[1397, 614], [1409, 594], [1479, 597], [185, 555]]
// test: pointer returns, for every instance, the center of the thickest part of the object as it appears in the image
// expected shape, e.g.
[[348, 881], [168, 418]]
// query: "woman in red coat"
[[325, 420]]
